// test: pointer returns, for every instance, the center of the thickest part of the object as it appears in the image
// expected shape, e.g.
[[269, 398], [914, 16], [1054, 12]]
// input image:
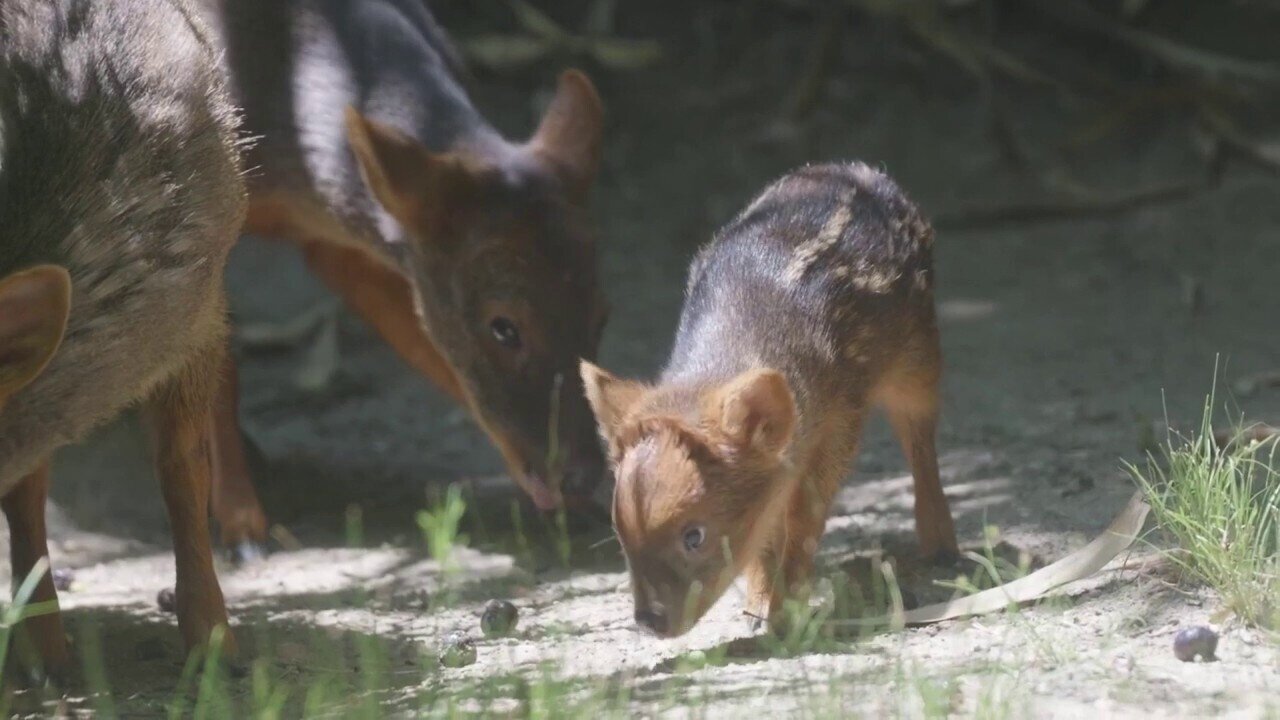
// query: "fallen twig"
[[1173, 55], [286, 539], [1228, 131], [831, 25], [974, 56], [287, 333], [1062, 208], [1250, 384], [1257, 433]]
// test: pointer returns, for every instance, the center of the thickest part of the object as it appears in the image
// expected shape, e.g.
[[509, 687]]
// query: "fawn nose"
[[655, 621]]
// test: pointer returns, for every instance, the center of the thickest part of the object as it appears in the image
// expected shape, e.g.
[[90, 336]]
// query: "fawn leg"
[[384, 299], [234, 501], [763, 574], [785, 568], [911, 400], [180, 416], [24, 509]]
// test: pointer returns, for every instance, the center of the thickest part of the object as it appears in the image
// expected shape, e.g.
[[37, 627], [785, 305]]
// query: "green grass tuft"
[[1222, 509]]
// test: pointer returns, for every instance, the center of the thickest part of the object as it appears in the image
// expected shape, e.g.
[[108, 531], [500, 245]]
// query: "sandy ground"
[[1064, 342]]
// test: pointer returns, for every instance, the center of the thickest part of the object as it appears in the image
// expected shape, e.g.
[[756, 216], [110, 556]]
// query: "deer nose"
[[654, 621]]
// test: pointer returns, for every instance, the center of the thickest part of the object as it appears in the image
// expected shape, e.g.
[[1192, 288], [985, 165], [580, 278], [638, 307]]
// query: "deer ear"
[[756, 410], [34, 307], [408, 179], [569, 136], [392, 163], [610, 397]]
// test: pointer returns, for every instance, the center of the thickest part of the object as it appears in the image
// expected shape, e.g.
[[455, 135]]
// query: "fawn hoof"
[[939, 549], [784, 621], [757, 615], [246, 552]]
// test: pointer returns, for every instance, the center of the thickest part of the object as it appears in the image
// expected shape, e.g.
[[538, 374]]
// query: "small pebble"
[[458, 651], [499, 618], [63, 578], [1123, 664], [1198, 641], [167, 601]]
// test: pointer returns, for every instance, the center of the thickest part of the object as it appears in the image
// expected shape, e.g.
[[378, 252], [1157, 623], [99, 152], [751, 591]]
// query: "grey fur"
[[374, 55], [121, 164], [746, 306]]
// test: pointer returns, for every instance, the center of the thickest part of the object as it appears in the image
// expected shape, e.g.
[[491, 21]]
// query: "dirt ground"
[[1065, 343]]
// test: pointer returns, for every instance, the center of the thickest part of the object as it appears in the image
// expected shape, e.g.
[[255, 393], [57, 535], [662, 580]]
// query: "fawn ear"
[[34, 306], [610, 397], [756, 410], [569, 136]]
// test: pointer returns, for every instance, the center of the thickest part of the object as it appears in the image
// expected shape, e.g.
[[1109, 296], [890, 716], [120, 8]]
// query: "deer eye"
[[694, 536], [505, 332]]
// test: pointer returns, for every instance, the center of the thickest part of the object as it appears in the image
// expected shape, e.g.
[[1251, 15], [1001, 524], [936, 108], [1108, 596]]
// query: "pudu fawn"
[[810, 308], [471, 255], [120, 197]]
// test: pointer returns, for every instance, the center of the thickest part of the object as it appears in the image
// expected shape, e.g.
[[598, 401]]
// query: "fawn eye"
[[694, 537], [505, 332]]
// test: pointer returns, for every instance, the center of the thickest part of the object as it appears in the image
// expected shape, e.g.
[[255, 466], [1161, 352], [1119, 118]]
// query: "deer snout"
[[653, 620]]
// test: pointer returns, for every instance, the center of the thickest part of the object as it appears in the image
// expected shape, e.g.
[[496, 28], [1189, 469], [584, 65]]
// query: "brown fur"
[[427, 222], [120, 197], [813, 307]]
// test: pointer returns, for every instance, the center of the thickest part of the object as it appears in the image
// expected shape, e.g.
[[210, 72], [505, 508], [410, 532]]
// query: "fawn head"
[[503, 265], [34, 307], [698, 474]]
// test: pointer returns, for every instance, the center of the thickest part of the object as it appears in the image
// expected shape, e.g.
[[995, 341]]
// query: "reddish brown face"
[[34, 305], [693, 499], [523, 308], [683, 545], [504, 271]]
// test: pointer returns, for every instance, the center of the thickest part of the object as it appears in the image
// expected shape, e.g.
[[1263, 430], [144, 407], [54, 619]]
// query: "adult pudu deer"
[[471, 255], [120, 196]]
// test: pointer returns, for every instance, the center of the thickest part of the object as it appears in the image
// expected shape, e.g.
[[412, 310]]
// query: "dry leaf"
[[626, 54], [288, 333], [1078, 565], [537, 22], [506, 52], [321, 363]]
